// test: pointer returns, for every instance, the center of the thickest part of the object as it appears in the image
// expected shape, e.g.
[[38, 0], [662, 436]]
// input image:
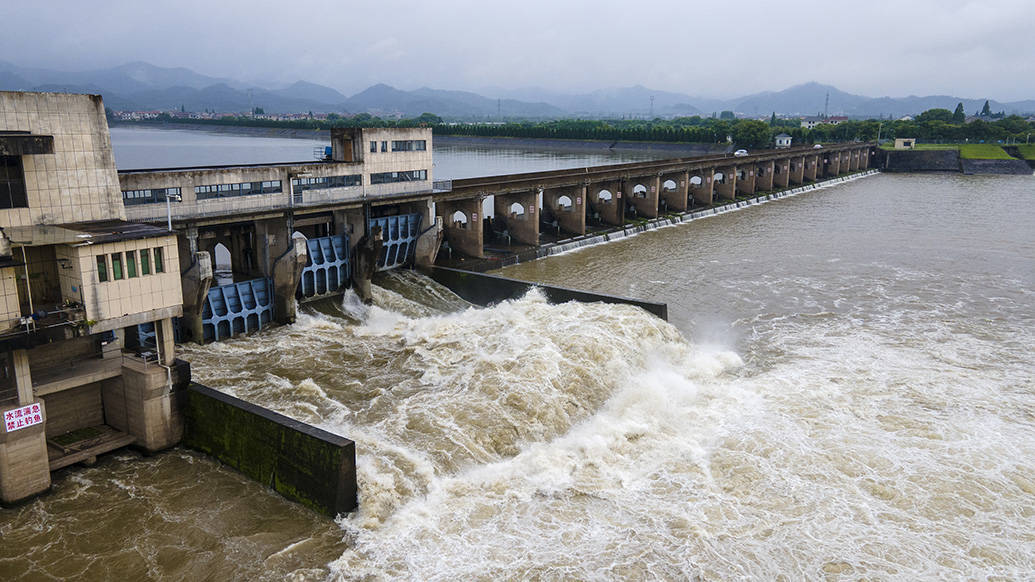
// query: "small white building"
[[783, 141], [905, 143]]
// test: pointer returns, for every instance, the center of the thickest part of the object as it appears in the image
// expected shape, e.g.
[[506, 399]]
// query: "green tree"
[[959, 116], [937, 114], [751, 133], [727, 115], [429, 118], [772, 120], [986, 111]]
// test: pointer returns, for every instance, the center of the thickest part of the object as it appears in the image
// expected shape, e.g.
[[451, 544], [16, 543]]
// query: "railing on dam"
[[327, 270], [399, 234], [237, 308]]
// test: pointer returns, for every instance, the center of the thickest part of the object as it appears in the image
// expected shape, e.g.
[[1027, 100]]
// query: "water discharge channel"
[[844, 390]]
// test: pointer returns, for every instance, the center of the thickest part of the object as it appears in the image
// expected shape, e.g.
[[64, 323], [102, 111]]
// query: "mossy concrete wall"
[[1018, 167], [482, 289], [921, 161], [301, 462]]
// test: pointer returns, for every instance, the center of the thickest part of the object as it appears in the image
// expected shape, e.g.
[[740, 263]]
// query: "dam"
[[834, 377]]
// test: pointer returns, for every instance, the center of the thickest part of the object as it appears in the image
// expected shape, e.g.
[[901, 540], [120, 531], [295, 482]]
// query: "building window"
[[131, 264], [145, 261], [133, 197], [12, 183], [116, 266], [302, 184], [384, 146], [389, 177], [373, 147], [409, 145], [159, 261], [102, 268], [240, 189]]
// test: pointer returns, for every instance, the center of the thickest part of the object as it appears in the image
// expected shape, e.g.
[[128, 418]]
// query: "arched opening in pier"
[[719, 178], [297, 234], [459, 219], [668, 186], [223, 265], [605, 196], [760, 171], [516, 211], [639, 191], [564, 204], [221, 257], [696, 181]]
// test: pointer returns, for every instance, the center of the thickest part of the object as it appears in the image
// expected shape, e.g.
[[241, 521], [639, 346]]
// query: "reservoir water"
[[844, 392], [143, 147]]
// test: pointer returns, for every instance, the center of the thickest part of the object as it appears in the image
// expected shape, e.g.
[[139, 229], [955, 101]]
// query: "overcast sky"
[[704, 48]]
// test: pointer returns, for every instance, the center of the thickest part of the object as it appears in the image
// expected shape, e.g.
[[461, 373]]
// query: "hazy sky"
[[707, 48]]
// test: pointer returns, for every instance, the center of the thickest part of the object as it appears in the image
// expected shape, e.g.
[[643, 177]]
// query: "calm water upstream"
[[141, 147], [844, 392]]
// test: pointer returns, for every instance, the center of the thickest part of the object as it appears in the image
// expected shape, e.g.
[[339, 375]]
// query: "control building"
[[74, 276]]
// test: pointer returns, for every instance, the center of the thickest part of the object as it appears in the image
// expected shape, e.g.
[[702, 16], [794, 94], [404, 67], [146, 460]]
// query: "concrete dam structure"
[[106, 270]]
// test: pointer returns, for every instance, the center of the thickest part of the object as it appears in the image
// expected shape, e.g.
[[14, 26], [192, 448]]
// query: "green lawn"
[[1028, 151], [983, 151], [970, 151]]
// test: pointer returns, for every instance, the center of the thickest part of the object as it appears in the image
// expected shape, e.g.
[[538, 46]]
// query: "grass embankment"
[[970, 151], [1028, 151]]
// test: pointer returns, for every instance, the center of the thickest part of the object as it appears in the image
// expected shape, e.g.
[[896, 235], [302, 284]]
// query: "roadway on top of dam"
[[489, 185]]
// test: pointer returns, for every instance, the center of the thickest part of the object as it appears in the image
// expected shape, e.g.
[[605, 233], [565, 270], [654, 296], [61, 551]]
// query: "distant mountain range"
[[141, 86]]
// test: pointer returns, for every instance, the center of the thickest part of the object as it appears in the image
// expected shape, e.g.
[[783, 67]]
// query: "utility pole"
[[826, 107], [652, 107]]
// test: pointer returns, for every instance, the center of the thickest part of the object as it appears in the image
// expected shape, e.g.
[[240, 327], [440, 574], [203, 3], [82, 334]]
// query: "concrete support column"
[[520, 213], [463, 235], [195, 283], [273, 239], [727, 190], [145, 401], [798, 167], [571, 217], [22, 376], [24, 466], [764, 176], [703, 193], [832, 165], [611, 210], [287, 272], [746, 182], [812, 164], [782, 173], [676, 200], [426, 250], [864, 162], [165, 340], [645, 203]]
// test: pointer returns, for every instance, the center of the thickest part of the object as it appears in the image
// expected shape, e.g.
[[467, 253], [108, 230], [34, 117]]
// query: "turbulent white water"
[[594, 442]]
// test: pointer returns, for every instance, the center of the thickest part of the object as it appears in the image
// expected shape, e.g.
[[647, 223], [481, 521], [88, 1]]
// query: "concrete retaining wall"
[[482, 289], [921, 161], [299, 461], [1019, 167]]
